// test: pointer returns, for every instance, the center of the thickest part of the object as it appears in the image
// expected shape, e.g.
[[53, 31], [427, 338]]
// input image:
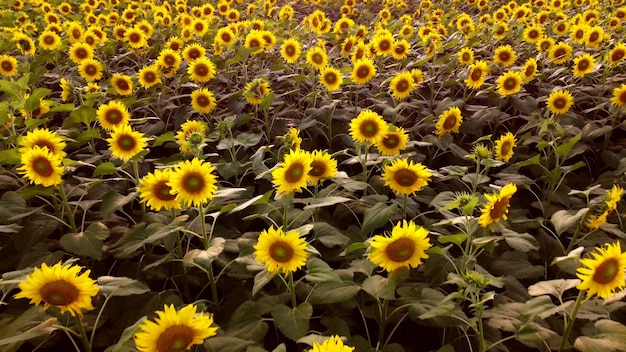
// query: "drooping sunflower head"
[[125, 143], [602, 274], [393, 142], [61, 286], [406, 247], [155, 192], [612, 197], [292, 138], [509, 83], [193, 182], [41, 166], [497, 206], [560, 101], [405, 177], [112, 115], [292, 174], [504, 147], [281, 252], [43, 138], [323, 166], [367, 127], [449, 121], [174, 330]]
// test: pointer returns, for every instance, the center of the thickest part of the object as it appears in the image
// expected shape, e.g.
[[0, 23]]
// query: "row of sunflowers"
[[312, 175]]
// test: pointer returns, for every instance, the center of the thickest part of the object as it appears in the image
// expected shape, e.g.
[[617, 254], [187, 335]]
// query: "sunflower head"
[[292, 174], [41, 166], [393, 142], [155, 192], [497, 206], [334, 344], [405, 177], [509, 83], [368, 127], [619, 96], [504, 147], [449, 121], [323, 166], [560, 101], [193, 182], [603, 273], [406, 247], [125, 143], [280, 251]]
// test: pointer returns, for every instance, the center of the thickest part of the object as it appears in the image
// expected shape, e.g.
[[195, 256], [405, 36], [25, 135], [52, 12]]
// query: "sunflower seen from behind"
[[41, 166], [405, 248], [174, 330], [602, 273], [497, 206], [61, 286], [367, 127], [504, 147], [405, 177], [155, 192], [281, 252], [292, 173], [323, 167], [125, 143], [449, 121]]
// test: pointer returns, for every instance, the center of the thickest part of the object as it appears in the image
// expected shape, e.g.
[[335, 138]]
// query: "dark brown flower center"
[[175, 338], [149, 77], [42, 166], [400, 50], [617, 55], [533, 34], [91, 70], [499, 208], [126, 142], [369, 129], [606, 272], [169, 60], [504, 56], [405, 177], [59, 293], [203, 101], [281, 252], [7, 65], [559, 102], [226, 37], [330, 77], [363, 72], [122, 84], [466, 57], [579, 34], [163, 192], [583, 64], [317, 58], [290, 50], [49, 40], [391, 141], [194, 53], [477, 74], [318, 168], [402, 86], [594, 37], [560, 53], [384, 45], [113, 116], [400, 250], [510, 83], [622, 97], [44, 144], [81, 53], [294, 173], [450, 122], [193, 182], [530, 70], [255, 43]]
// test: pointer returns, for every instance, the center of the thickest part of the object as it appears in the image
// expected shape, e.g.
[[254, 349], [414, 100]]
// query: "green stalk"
[[292, 291], [206, 241], [136, 169], [70, 213], [406, 199], [568, 329], [83, 334], [382, 323]]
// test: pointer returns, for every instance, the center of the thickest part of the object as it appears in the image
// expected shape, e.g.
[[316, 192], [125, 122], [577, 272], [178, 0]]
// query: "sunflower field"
[[312, 175]]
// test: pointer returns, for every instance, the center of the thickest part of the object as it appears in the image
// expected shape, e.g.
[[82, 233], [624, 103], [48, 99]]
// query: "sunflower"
[[281, 252], [199, 27], [292, 174], [330, 78], [533, 33], [529, 71], [122, 84], [8, 65], [290, 50], [613, 197], [135, 37], [595, 221], [560, 52], [560, 28], [43, 138], [201, 70], [368, 127], [193, 182], [79, 52], [292, 138], [90, 70], [269, 39], [226, 36], [405, 177], [155, 192], [619, 96], [603, 274], [504, 147], [560, 101], [406, 247], [418, 76], [401, 49], [402, 85], [193, 52], [477, 73], [449, 121], [509, 83], [254, 42], [363, 71], [174, 330], [60, 286], [149, 76], [74, 32], [545, 44], [317, 57], [583, 64], [466, 56], [25, 43], [577, 33], [497, 206], [113, 114], [169, 58], [617, 54], [49, 40], [184, 137], [500, 29], [125, 143], [383, 44], [323, 166], [393, 142], [594, 36], [504, 55], [348, 45], [41, 166], [174, 43], [256, 91], [333, 343]]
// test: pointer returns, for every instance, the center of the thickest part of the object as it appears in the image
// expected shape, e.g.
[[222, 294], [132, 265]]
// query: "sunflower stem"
[[568, 329], [83, 334], [366, 148], [382, 323], [180, 255], [292, 291], [406, 199], [213, 283], [316, 214], [66, 204], [136, 170]]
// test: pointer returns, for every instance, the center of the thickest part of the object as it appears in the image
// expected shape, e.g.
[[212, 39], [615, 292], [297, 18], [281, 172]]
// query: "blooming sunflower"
[[201, 70], [617, 54], [292, 174], [594, 37], [49, 40], [405, 177], [323, 166], [169, 58], [560, 53], [90, 69], [254, 42], [317, 57], [193, 182], [149, 76], [125, 143], [43, 138], [135, 37], [619, 96], [603, 273], [405, 248], [367, 127], [280, 251], [545, 44], [41, 166], [183, 137], [174, 330], [8, 65], [192, 52], [363, 71], [504, 55], [348, 45], [332, 344], [477, 73], [60, 286], [112, 115], [560, 101], [393, 142], [449, 121], [383, 43], [466, 56], [156, 193], [583, 64], [509, 83], [330, 78], [500, 29], [290, 50], [402, 85], [497, 206], [533, 33], [401, 49], [123, 84], [203, 101], [529, 71], [504, 147]]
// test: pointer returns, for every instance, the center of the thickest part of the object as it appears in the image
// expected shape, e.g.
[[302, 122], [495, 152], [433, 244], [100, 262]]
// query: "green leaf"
[[333, 292], [319, 271], [33, 101], [520, 241], [294, 323], [10, 88], [248, 139], [377, 216], [325, 201], [552, 287], [564, 149], [83, 114], [44, 328], [127, 336], [88, 243], [565, 219], [10, 157], [608, 335], [88, 135], [380, 287], [247, 323], [112, 201], [329, 235], [165, 137], [106, 168], [261, 279], [457, 239], [203, 258], [260, 199], [121, 286], [227, 344]]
